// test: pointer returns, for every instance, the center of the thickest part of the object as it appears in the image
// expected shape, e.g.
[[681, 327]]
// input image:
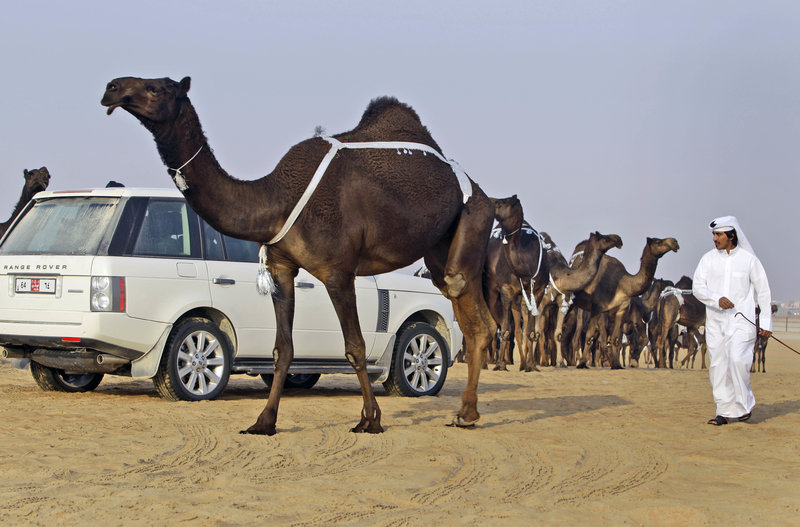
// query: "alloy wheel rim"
[[201, 363], [422, 362]]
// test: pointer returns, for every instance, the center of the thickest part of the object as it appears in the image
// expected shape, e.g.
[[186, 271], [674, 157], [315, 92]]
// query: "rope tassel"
[[265, 284]]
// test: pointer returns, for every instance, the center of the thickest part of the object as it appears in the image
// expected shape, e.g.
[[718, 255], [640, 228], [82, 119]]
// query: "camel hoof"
[[460, 422], [500, 367], [367, 427], [256, 430], [634, 363], [582, 366]]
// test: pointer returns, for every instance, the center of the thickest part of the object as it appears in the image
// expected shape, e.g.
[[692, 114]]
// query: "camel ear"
[[25, 172], [184, 84]]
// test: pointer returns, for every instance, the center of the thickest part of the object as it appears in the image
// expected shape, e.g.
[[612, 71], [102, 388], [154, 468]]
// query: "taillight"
[[108, 294]]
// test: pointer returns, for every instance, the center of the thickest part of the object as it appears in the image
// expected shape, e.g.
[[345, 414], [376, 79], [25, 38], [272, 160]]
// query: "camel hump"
[[379, 107], [387, 119]]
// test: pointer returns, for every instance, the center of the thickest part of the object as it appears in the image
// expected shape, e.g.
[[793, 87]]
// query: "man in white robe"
[[730, 279]]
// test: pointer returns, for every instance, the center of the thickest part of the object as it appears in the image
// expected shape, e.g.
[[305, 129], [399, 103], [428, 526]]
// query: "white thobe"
[[740, 277]]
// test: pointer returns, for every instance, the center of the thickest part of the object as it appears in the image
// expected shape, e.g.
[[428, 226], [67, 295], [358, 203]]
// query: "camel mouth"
[[112, 107]]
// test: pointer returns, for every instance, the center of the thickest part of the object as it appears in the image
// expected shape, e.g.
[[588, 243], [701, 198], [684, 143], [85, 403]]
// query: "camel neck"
[[232, 206], [641, 281], [24, 198]]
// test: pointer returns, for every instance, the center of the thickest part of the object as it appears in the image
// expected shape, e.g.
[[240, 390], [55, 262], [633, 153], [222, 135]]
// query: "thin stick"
[[771, 336]]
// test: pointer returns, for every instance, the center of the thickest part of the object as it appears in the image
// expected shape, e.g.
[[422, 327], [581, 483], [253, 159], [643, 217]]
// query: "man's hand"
[[724, 303], [765, 333]]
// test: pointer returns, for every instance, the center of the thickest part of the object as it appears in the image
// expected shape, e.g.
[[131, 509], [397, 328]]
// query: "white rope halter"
[[178, 178]]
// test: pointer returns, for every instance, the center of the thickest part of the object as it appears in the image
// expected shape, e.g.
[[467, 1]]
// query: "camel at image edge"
[[36, 180], [374, 211]]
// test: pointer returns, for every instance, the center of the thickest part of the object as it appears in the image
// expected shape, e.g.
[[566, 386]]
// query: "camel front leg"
[[560, 360], [283, 352], [342, 291]]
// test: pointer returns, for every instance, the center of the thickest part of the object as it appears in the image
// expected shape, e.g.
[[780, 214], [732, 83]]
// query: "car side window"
[[240, 250], [168, 229], [212, 241]]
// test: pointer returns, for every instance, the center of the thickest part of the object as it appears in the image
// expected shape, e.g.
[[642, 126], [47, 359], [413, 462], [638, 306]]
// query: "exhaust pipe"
[[15, 354], [77, 361], [111, 360]]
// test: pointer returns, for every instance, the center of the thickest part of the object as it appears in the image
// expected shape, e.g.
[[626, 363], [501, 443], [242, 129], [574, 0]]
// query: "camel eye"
[[152, 90]]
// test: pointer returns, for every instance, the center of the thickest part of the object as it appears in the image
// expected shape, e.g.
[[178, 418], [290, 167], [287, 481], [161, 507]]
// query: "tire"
[[54, 380], [419, 364], [196, 363], [293, 380]]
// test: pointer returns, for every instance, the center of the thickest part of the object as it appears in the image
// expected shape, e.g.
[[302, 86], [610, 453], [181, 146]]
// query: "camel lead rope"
[[771, 336]]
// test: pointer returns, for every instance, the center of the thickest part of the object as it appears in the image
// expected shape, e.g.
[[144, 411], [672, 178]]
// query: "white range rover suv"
[[132, 282]]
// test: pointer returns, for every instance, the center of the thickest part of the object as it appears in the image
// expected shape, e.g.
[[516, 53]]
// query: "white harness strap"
[[531, 301], [402, 147], [678, 293], [264, 281], [575, 257]]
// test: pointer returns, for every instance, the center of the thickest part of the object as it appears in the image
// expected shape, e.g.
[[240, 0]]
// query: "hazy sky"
[[641, 118]]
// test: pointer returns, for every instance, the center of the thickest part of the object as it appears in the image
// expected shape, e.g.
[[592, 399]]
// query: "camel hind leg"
[[460, 280]]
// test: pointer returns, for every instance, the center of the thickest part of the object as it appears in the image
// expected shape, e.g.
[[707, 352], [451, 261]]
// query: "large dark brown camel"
[[36, 180], [523, 249], [676, 306], [375, 209], [564, 281], [613, 287]]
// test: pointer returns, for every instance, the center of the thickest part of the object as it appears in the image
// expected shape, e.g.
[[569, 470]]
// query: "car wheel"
[[419, 364], [54, 380], [293, 380], [196, 363]]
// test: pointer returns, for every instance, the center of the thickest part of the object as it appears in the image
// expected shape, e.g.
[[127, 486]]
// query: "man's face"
[[722, 242]]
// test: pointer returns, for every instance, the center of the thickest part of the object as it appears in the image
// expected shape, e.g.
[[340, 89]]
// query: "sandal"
[[745, 417], [718, 421]]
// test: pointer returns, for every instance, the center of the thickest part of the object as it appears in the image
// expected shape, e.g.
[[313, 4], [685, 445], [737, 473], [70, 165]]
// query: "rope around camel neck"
[[178, 178]]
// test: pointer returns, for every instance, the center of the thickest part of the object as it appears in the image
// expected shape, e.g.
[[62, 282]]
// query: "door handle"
[[223, 281], [304, 285]]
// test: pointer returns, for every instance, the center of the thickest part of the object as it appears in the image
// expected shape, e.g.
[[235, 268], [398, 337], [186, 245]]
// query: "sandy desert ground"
[[558, 447]]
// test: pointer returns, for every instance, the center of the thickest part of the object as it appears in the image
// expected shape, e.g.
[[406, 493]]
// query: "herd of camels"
[[383, 196]]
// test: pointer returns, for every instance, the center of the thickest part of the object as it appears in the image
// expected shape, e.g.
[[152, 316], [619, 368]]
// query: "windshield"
[[72, 226]]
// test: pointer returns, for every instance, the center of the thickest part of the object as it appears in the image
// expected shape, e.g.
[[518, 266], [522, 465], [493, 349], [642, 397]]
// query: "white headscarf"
[[727, 223]]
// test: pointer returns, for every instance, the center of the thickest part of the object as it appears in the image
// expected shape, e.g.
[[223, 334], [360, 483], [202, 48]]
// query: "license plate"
[[35, 285]]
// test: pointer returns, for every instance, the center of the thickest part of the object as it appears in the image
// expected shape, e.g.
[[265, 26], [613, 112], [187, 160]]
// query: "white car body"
[[46, 312]]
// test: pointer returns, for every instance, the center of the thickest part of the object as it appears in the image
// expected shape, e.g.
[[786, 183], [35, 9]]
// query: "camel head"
[[153, 100], [661, 246], [36, 180], [605, 242], [508, 212]]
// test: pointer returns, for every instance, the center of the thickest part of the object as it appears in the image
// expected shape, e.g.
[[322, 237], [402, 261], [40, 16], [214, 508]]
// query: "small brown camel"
[[501, 290], [676, 306], [637, 320], [523, 249], [613, 287], [380, 206], [564, 281], [760, 347], [36, 180]]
